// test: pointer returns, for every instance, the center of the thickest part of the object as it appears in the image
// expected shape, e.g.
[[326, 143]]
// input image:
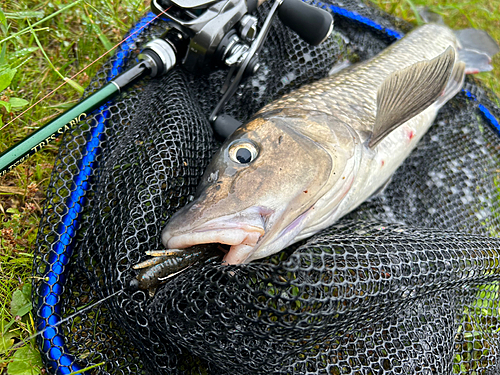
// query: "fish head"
[[258, 189]]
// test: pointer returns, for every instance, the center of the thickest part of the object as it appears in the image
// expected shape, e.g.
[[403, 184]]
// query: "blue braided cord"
[[485, 111], [366, 21], [363, 20], [50, 292], [489, 116]]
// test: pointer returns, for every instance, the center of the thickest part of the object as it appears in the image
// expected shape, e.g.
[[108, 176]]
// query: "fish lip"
[[226, 237], [221, 230], [242, 226]]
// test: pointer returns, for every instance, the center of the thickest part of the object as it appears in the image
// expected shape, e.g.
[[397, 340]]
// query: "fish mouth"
[[239, 234], [242, 236]]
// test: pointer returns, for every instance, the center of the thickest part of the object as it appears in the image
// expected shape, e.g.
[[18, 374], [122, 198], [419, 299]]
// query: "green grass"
[[458, 14], [44, 47], [43, 53]]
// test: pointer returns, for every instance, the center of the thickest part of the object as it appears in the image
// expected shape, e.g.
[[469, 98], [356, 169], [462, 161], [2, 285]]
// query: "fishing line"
[[24, 341], [83, 69]]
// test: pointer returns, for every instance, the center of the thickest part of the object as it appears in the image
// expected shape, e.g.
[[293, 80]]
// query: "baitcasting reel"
[[214, 32], [202, 33]]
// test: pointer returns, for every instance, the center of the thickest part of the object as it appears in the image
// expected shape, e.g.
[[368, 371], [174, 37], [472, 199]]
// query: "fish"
[[307, 159]]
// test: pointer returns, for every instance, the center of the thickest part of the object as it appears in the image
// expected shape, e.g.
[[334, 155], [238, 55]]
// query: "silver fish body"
[[314, 155]]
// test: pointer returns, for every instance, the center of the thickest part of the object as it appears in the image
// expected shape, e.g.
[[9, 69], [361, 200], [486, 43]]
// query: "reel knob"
[[311, 23]]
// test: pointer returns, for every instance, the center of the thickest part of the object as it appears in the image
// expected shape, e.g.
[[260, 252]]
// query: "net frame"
[[171, 330]]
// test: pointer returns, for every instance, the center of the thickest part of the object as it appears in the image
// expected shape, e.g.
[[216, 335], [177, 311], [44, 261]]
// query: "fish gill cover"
[[408, 283]]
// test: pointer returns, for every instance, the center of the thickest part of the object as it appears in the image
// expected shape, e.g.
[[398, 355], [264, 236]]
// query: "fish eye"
[[243, 152]]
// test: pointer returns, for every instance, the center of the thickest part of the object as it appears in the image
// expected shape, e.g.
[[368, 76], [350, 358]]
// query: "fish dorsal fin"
[[406, 93]]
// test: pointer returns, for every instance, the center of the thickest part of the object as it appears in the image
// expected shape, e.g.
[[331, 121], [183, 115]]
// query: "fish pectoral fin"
[[408, 92]]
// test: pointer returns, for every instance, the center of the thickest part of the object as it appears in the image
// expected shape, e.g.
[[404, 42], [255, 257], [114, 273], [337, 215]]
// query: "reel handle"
[[311, 23]]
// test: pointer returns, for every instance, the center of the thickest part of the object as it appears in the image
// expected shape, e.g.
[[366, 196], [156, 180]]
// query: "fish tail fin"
[[428, 16], [475, 49], [455, 83]]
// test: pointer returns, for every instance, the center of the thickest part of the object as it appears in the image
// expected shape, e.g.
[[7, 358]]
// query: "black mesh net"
[[406, 284]]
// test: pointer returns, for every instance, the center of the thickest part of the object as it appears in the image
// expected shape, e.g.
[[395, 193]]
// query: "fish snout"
[[239, 230]]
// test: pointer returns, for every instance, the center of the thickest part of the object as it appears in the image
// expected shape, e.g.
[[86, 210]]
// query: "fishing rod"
[[201, 34]]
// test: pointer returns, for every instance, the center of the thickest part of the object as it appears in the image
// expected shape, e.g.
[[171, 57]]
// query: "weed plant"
[[42, 42]]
